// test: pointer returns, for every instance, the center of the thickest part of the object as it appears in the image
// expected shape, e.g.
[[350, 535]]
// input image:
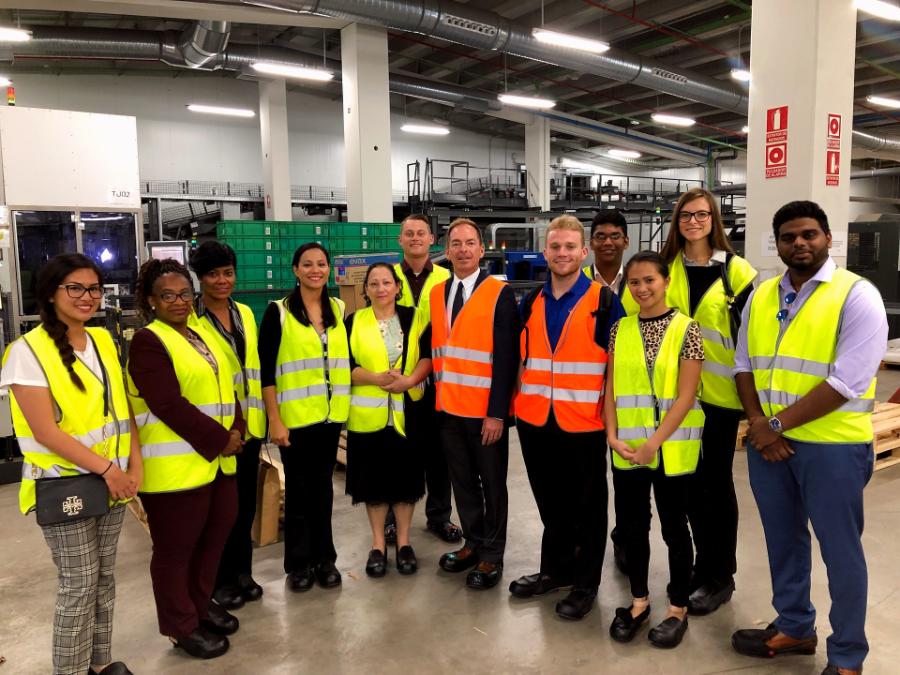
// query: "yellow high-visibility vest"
[[369, 404], [437, 275], [170, 463], [625, 297], [247, 383], [788, 363], [712, 315], [642, 403], [303, 393], [82, 412]]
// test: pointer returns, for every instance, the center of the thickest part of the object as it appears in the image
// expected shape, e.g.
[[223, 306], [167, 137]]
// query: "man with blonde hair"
[[558, 410]]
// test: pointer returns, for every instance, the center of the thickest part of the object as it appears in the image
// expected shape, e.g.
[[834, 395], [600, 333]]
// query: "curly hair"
[[49, 278], [150, 271]]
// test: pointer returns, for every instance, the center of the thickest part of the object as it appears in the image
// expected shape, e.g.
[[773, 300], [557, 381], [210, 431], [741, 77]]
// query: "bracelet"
[[106, 469]]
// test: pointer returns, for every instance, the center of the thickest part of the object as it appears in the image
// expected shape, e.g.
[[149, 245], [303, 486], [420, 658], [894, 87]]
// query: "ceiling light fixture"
[[740, 74], [571, 41], [526, 101], [879, 8], [623, 154], [580, 166], [220, 110], [295, 72], [14, 34], [674, 120], [882, 100], [425, 129], [5, 81]]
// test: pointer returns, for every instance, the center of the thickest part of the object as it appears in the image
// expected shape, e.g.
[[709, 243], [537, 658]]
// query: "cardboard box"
[[352, 297], [350, 270]]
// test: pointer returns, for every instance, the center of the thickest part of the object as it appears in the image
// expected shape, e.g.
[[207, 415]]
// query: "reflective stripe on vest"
[[170, 463], [787, 364], [568, 379], [642, 404], [437, 275], [711, 313], [303, 394], [81, 411], [462, 355]]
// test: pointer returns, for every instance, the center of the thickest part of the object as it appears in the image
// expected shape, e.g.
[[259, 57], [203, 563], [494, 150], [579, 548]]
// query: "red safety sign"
[[833, 136], [776, 160], [832, 167], [777, 124]]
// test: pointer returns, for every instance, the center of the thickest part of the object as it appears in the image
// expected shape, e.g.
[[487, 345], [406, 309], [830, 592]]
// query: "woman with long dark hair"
[[61, 365], [305, 373], [181, 385], [711, 284]]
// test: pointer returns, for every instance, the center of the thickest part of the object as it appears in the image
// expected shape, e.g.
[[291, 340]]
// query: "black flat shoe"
[[229, 597], [203, 645], [250, 590], [219, 621], [577, 604], [624, 627], [709, 597], [446, 531], [114, 668], [532, 585], [457, 561], [300, 581], [327, 575], [752, 642], [376, 565], [668, 634], [406, 560], [484, 576]]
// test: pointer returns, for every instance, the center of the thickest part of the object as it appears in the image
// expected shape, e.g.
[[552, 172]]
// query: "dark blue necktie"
[[457, 303]]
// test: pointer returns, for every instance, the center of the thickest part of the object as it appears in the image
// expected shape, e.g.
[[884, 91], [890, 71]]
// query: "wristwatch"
[[775, 425]]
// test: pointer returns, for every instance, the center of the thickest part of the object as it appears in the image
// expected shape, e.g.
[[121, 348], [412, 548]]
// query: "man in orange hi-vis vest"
[[475, 354], [558, 410]]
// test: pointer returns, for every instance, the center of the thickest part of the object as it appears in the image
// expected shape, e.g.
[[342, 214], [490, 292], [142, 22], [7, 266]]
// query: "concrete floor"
[[430, 622]]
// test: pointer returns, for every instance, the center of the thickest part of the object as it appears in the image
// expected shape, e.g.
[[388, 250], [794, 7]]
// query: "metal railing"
[[252, 192]]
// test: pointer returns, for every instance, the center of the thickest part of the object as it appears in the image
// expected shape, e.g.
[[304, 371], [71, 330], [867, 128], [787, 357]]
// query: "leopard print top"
[[653, 330]]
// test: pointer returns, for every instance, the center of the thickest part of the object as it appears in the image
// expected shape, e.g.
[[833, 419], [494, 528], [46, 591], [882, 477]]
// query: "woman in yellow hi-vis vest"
[[305, 373], [711, 285], [233, 326], [383, 468], [654, 426], [181, 386], [64, 365]]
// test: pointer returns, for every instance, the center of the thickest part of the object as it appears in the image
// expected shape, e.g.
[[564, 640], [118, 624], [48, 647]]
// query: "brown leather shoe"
[[484, 576], [771, 642], [834, 670], [457, 561]]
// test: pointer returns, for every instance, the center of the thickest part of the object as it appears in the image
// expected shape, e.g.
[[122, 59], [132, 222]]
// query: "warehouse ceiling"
[[705, 37]]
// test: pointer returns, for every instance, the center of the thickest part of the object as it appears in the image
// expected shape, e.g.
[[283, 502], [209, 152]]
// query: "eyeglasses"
[[76, 291], [615, 236], [783, 313], [699, 216], [172, 296]]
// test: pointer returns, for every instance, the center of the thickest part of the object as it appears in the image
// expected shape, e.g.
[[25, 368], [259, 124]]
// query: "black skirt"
[[384, 468]]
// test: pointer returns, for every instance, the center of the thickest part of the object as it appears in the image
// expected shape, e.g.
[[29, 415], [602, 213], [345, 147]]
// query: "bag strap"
[[602, 314], [723, 272]]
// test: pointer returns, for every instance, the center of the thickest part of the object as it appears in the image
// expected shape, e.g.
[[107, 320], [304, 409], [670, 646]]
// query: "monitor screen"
[[164, 250]]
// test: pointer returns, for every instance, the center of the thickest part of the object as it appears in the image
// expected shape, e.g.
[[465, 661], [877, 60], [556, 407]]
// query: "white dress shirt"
[[617, 281], [468, 286]]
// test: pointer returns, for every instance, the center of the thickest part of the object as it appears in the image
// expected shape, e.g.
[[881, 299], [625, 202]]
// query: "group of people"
[[654, 361]]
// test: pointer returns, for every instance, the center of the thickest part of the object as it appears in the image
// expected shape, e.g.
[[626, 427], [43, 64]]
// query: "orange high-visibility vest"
[[462, 357], [571, 377]]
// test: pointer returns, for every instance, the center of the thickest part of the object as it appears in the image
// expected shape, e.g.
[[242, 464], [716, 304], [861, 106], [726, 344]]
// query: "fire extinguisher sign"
[[776, 142], [833, 150]]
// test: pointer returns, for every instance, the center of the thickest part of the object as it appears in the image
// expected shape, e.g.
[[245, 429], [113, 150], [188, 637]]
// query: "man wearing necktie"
[[475, 354]]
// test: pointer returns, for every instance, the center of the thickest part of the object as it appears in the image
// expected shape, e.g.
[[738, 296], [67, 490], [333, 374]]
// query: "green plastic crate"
[[242, 244], [386, 245], [244, 284], [247, 228], [305, 230], [256, 258], [287, 245]]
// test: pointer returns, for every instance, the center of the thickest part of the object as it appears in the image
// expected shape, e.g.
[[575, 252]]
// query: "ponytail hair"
[[295, 299], [49, 279]]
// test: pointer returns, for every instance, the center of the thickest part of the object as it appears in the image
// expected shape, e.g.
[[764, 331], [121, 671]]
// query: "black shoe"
[[834, 670], [624, 627], [390, 533], [752, 642], [327, 575], [406, 560], [577, 604], [300, 580], [668, 634], [219, 621], [203, 645], [457, 561], [114, 668], [250, 590], [709, 597], [376, 565], [621, 560], [536, 584], [447, 531], [229, 597], [484, 576]]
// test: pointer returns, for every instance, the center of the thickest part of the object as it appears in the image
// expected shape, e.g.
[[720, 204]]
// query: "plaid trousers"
[[85, 555]]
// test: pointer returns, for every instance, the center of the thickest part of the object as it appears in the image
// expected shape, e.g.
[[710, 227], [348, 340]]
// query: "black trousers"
[[309, 495], [237, 557], [632, 488], [713, 507], [420, 425], [478, 476], [567, 472]]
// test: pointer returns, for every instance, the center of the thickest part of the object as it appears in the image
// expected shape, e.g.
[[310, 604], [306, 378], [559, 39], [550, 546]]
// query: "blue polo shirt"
[[556, 310]]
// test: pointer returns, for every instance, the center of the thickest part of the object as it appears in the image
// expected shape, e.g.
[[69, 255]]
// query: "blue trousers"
[[822, 483]]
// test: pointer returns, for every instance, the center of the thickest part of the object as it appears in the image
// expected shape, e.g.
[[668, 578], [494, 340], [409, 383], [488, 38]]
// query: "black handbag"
[[63, 500], [734, 314]]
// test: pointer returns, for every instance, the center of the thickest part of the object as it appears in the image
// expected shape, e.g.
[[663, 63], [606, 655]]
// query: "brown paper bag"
[[268, 503]]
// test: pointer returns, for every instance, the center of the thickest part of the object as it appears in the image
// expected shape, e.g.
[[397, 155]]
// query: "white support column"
[[537, 162], [273, 128], [367, 123], [817, 38]]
